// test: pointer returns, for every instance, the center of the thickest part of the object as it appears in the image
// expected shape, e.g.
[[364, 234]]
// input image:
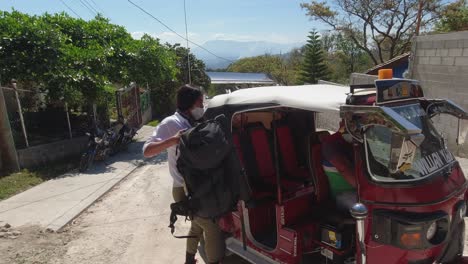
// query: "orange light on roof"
[[385, 74], [411, 240]]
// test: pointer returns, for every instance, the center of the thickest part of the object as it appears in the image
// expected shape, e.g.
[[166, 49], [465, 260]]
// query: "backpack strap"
[[172, 220]]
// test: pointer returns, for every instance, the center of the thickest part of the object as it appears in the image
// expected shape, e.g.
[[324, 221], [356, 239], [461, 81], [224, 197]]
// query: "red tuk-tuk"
[[410, 192]]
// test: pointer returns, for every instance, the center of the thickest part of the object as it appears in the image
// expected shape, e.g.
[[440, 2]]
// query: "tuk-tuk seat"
[[263, 156], [326, 205], [289, 156], [261, 193]]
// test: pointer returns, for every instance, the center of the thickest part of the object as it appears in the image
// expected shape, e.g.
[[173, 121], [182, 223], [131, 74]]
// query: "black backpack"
[[211, 170]]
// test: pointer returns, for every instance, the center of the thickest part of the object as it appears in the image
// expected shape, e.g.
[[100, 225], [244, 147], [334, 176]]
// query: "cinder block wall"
[[440, 63]]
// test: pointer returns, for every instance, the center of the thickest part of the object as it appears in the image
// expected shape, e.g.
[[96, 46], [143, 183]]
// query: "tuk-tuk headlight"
[[431, 231]]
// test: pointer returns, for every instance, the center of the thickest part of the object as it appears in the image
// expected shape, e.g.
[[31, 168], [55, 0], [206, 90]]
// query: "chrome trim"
[[359, 212], [284, 250], [285, 238], [250, 255]]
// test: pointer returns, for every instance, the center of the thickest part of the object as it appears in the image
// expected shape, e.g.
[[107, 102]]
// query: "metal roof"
[[239, 78], [317, 97], [389, 63]]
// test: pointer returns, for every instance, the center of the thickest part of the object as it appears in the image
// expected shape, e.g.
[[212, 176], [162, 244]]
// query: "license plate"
[[327, 253]]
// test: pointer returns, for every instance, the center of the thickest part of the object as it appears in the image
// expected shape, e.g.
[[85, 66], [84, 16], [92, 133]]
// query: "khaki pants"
[[206, 230]]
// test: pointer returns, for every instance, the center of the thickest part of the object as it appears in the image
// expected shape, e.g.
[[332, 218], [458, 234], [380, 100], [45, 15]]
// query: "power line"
[[83, 4], [97, 6], [188, 50], [91, 6], [69, 8], [173, 31]]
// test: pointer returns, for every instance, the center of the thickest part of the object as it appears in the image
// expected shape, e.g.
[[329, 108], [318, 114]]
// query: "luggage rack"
[[353, 87]]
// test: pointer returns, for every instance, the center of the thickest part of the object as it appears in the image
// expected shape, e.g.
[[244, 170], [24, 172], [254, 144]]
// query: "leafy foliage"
[[314, 67], [78, 61], [454, 17], [344, 57], [381, 28], [281, 70]]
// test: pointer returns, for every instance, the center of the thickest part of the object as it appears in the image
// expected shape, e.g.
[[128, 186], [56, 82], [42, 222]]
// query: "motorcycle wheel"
[[84, 162]]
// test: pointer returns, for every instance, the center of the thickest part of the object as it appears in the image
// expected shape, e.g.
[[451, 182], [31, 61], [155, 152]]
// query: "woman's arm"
[[154, 148]]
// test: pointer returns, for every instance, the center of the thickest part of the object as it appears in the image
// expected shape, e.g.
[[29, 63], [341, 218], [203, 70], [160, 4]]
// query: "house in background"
[[223, 82], [399, 65]]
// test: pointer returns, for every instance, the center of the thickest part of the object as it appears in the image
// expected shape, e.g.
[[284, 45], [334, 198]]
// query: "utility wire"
[[188, 49], [69, 8], [97, 6], [91, 6], [173, 31], [83, 4]]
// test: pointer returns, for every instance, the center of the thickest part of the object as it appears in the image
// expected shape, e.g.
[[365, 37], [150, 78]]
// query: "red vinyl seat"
[[288, 154], [264, 160]]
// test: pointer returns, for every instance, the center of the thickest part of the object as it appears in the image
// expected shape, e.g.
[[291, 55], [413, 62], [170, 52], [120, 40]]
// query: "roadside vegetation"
[[83, 62], [18, 182]]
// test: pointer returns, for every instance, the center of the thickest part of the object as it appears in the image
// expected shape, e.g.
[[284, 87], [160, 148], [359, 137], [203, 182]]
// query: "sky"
[[280, 21]]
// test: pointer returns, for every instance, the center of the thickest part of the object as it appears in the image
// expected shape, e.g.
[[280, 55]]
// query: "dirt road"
[[128, 225]]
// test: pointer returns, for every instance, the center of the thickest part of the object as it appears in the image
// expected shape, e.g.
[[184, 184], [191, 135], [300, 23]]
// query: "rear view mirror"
[[439, 106]]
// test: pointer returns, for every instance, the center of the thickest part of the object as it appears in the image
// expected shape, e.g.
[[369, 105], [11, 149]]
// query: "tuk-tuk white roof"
[[317, 97]]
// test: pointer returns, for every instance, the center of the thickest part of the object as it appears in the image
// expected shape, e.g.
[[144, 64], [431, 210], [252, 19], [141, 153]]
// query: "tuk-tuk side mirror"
[[441, 106]]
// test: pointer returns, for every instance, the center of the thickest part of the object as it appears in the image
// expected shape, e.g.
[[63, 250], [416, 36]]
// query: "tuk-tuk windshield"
[[431, 156]]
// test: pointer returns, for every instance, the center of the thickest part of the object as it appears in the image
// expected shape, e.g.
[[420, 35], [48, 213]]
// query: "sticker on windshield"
[[433, 162]]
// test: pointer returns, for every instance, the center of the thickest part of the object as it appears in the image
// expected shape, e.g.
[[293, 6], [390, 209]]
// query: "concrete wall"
[[42, 155], [440, 63]]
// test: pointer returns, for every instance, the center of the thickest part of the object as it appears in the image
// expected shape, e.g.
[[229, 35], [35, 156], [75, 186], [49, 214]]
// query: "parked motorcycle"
[[98, 149], [123, 137]]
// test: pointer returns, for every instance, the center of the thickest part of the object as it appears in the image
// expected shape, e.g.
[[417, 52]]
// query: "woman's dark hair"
[[187, 95]]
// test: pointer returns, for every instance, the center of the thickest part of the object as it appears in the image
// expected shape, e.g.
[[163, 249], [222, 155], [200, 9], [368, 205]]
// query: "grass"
[[21, 181], [153, 123], [18, 182]]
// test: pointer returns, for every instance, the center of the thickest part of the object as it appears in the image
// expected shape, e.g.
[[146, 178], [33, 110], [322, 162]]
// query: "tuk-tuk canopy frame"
[[316, 98]]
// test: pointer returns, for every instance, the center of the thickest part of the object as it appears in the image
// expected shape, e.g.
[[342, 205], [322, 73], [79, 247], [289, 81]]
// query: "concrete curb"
[[58, 224]]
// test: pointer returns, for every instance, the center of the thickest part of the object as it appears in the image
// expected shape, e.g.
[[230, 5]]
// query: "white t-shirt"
[[166, 129]]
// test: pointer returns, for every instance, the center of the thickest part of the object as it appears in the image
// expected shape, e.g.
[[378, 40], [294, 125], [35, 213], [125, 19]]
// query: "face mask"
[[197, 113]]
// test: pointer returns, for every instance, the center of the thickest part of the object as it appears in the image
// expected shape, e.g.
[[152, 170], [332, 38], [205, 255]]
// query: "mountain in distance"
[[234, 50]]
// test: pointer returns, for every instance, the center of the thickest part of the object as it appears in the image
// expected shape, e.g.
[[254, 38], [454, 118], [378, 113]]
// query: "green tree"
[[273, 65], [82, 62], [314, 67], [454, 17], [381, 28], [197, 67]]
